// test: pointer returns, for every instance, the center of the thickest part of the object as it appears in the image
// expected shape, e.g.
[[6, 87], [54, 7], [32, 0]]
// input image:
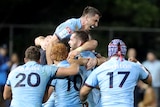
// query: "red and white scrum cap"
[[117, 47]]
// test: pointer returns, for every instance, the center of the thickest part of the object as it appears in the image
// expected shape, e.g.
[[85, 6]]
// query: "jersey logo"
[[69, 30], [65, 33]]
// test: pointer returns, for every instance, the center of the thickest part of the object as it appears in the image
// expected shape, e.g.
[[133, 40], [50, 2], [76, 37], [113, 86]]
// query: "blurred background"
[[137, 22]]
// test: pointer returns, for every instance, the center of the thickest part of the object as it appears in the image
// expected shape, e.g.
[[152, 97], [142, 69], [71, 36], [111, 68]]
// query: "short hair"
[[82, 35], [32, 53], [91, 11], [59, 52]]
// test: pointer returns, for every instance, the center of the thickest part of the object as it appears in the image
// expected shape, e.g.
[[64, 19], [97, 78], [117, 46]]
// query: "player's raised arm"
[[53, 40]]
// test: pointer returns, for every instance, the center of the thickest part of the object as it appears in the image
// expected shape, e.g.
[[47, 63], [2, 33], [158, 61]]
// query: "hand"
[[132, 59], [80, 61], [73, 53], [98, 55], [72, 60], [47, 40], [83, 61], [91, 63]]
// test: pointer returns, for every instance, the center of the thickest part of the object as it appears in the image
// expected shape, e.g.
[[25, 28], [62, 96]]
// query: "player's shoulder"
[[16, 71], [103, 66], [48, 66], [133, 64], [63, 63], [87, 54], [114, 61], [70, 21]]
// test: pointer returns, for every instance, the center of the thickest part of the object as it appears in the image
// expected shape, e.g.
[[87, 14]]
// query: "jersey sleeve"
[[51, 70], [92, 80], [143, 73], [65, 29], [8, 82], [53, 82]]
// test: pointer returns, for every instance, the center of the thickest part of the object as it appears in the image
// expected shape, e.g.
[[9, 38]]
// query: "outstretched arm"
[[89, 45], [73, 69], [48, 92], [84, 92], [48, 48]]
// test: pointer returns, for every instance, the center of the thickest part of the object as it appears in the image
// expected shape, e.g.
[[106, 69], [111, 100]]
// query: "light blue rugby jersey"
[[51, 101], [65, 29], [86, 54], [66, 94], [28, 83], [117, 80], [94, 96]]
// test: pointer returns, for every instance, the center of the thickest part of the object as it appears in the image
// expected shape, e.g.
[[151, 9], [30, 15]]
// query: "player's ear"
[[86, 17], [79, 43]]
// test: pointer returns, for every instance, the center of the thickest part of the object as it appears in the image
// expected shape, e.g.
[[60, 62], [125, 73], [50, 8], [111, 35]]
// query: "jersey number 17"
[[120, 73]]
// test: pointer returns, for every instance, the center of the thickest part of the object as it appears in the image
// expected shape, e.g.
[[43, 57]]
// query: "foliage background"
[[115, 13]]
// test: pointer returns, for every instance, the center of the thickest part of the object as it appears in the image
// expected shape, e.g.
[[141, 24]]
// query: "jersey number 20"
[[28, 77]]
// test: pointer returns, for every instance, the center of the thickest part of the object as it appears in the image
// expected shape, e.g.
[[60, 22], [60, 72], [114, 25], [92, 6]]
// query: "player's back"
[[28, 84], [65, 29], [117, 80], [94, 96], [66, 90]]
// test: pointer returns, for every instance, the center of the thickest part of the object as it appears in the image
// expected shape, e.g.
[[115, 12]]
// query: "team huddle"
[[64, 70]]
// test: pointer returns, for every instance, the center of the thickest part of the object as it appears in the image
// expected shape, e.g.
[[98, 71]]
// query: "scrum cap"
[[117, 47]]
